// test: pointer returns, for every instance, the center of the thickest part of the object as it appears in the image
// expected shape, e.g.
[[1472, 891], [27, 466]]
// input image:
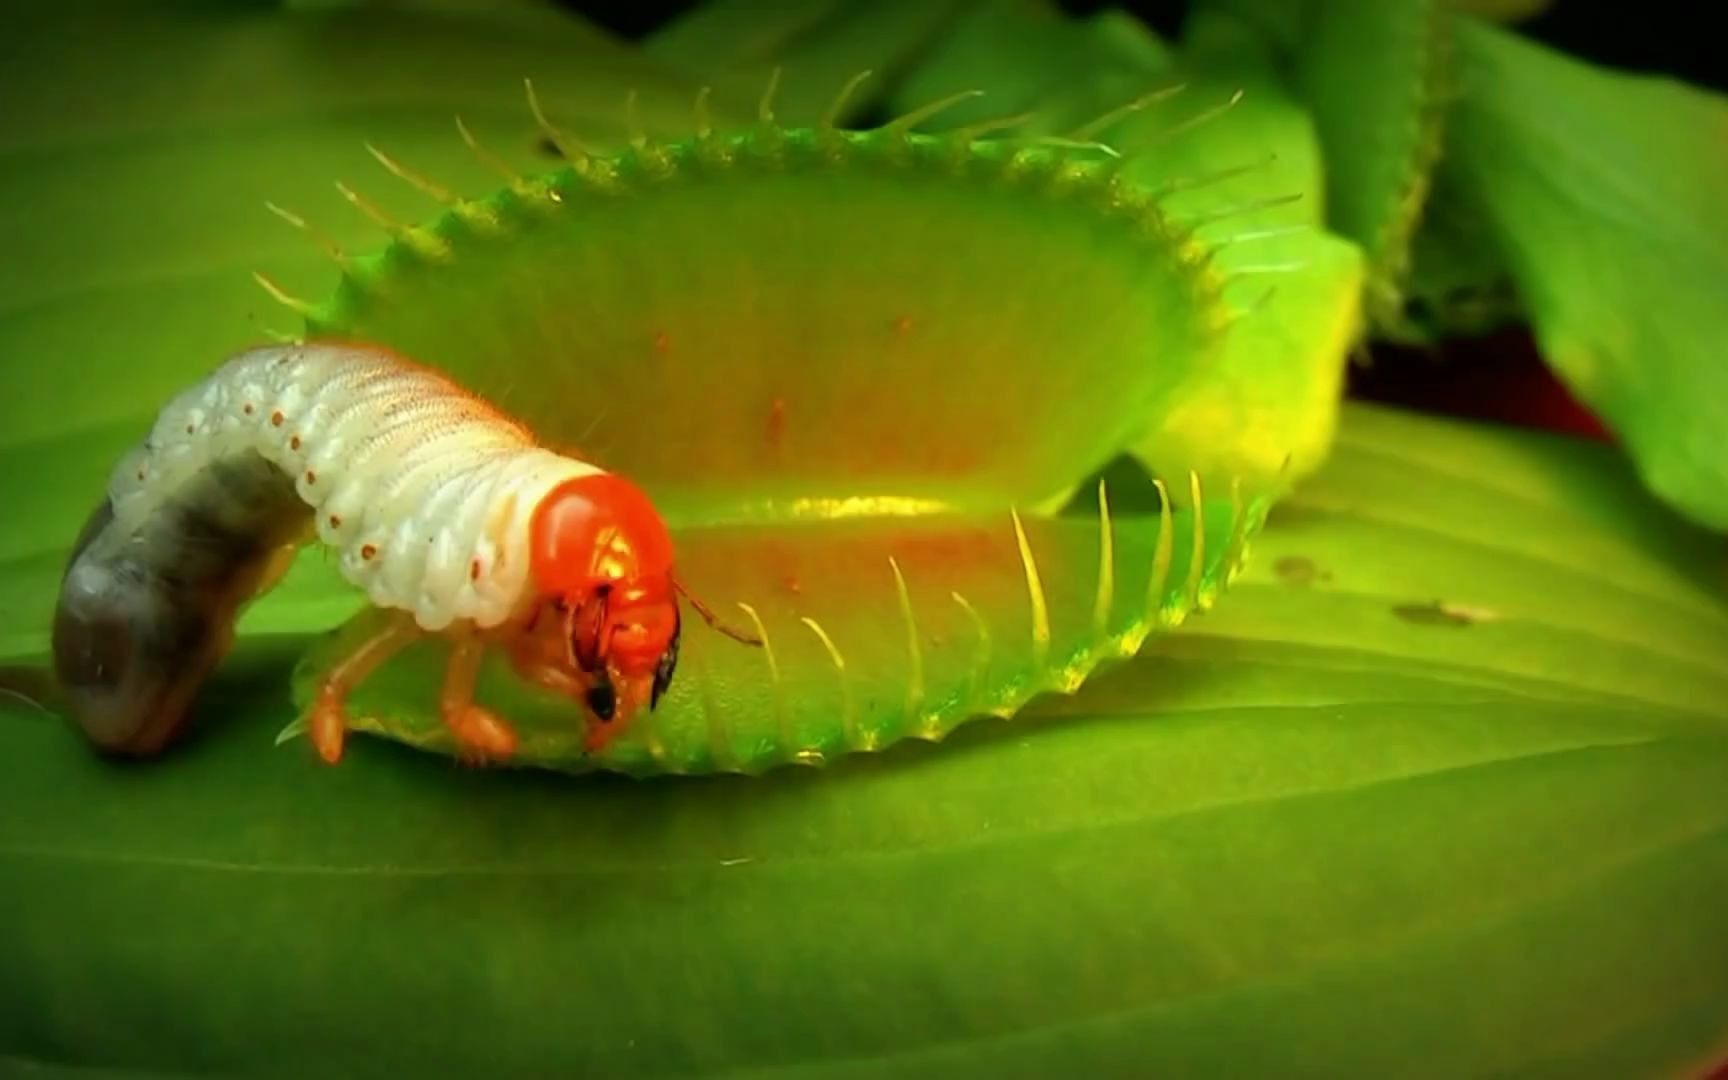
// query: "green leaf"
[[1306, 830], [815, 46], [1376, 75], [1607, 196], [1035, 58], [1459, 284]]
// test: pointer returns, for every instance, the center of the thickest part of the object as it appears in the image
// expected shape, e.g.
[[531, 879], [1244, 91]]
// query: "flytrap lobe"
[[859, 372]]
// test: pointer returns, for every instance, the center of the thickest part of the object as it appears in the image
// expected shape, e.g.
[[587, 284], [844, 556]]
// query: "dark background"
[[1672, 36]]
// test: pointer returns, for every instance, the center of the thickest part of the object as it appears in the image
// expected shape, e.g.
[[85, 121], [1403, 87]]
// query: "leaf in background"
[[1376, 74], [1330, 829], [1607, 195], [817, 46], [1033, 57], [1459, 285]]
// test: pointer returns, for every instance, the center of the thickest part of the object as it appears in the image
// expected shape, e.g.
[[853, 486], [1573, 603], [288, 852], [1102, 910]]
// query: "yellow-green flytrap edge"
[[886, 562]]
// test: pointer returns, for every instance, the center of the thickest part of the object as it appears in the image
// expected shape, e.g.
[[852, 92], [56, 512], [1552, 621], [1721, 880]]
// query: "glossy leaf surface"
[[1497, 829]]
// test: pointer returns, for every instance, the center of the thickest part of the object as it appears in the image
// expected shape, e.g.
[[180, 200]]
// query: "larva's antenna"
[[713, 620]]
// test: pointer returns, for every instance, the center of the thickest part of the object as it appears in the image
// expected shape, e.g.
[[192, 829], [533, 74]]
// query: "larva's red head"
[[600, 550]]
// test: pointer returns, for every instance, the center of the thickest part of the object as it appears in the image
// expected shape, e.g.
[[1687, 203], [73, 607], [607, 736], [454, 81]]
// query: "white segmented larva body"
[[425, 491]]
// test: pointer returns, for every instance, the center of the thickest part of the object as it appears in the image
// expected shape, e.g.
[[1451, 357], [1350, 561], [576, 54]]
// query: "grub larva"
[[444, 511]]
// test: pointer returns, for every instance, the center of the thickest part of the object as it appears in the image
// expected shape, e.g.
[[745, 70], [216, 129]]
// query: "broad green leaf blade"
[[1303, 831], [1607, 195], [1521, 564], [994, 612], [1376, 75]]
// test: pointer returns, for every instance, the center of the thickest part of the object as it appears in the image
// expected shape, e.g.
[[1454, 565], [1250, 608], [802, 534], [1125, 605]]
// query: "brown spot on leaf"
[[1442, 613], [1299, 571]]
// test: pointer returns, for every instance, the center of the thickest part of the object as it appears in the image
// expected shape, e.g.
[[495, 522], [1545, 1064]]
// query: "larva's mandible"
[[446, 512]]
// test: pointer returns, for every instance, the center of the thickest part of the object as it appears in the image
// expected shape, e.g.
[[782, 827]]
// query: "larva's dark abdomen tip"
[[128, 660], [95, 664]]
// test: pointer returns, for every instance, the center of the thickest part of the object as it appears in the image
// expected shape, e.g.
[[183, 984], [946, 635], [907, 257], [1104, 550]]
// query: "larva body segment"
[[425, 492]]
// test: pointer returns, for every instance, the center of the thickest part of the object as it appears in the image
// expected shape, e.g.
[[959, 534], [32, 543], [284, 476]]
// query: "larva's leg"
[[480, 733], [329, 721], [532, 664]]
